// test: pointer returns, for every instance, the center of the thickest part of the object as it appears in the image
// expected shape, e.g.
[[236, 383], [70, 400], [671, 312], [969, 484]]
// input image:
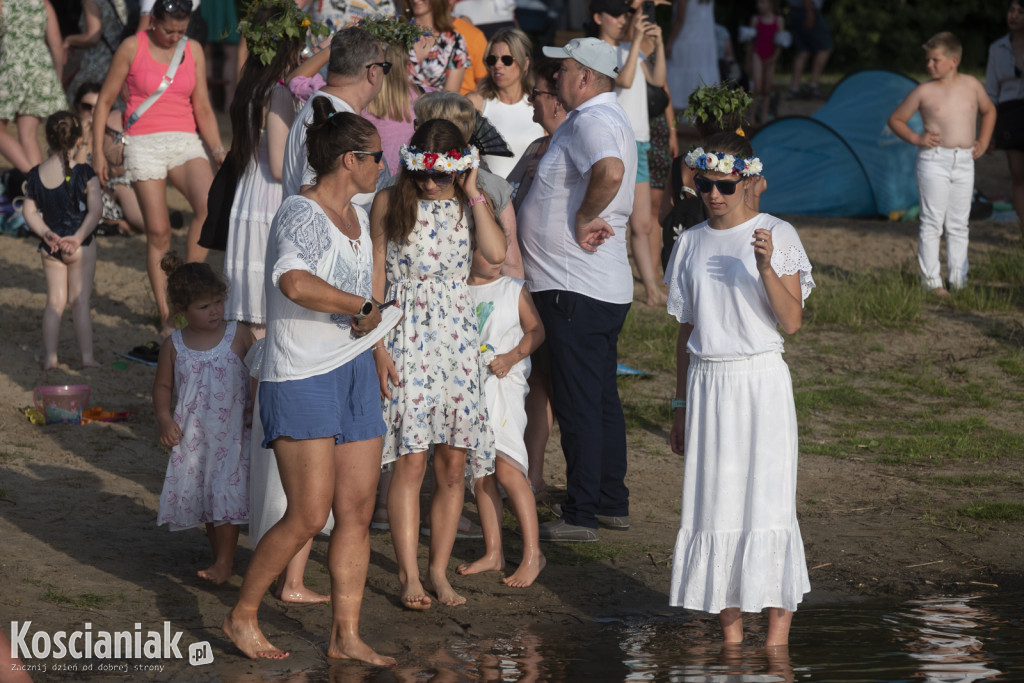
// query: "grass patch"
[[648, 340], [87, 600], [841, 396], [891, 298], [939, 440], [1004, 266], [984, 298], [993, 511], [967, 480]]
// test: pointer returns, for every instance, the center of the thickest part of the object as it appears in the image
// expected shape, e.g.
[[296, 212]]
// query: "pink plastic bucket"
[[62, 404]]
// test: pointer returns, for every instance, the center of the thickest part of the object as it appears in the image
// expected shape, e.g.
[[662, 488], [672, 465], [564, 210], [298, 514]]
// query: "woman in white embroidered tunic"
[[731, 280]]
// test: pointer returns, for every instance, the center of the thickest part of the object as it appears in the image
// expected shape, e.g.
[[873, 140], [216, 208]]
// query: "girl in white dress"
[[732, 280], [510, 330], [207, 477], [692, 51]]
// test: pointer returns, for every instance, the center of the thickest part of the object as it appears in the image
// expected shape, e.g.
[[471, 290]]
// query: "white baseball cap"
[[592, 53]]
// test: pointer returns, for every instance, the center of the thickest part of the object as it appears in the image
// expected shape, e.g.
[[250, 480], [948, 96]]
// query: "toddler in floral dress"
[[207, 479]]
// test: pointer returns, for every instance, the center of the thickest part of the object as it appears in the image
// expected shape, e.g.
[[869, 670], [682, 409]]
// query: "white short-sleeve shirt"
[[634, 98], [546, 223], [714, 285], [297, 171], [301, 342]]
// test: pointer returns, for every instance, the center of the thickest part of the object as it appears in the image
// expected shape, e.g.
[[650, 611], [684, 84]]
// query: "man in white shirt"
[[572, 233], [355, 74]]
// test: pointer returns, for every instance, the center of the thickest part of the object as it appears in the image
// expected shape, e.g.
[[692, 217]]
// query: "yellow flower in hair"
[[739, 131]]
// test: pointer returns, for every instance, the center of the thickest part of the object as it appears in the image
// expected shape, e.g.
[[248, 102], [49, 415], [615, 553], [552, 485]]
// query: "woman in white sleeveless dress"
[[691, 50]]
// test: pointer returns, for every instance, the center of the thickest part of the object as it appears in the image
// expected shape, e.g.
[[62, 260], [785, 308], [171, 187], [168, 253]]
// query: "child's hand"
[[467, 181], [502, 364], [763, 249], [929, 139], [52, 240], [977, 150], [69, 245], [170, 432], [677, 437]]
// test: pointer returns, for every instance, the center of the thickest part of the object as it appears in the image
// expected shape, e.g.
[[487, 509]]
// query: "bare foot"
[[50, 363], [90, 363], [248, 638], [446, 595], [301, 595], [940, 292], [414, 597], [358, 650], [215, 574], [526, 573], [488, 563]]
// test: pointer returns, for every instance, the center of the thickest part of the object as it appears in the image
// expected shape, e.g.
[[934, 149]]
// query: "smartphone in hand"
[[647, 7]]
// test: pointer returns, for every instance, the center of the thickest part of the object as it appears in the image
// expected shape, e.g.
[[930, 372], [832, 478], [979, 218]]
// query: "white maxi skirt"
[[739, 543]]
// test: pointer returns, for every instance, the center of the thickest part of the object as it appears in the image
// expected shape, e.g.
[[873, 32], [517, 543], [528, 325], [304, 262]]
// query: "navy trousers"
[[582, 337]]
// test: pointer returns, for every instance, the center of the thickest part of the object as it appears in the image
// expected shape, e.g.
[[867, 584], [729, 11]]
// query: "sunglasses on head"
[[440, 179], [507, 60], [177, 5], [384, 66], [377, 156], [725, 187]]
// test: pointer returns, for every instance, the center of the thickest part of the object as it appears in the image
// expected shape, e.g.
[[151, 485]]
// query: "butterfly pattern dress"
[[439, 396]]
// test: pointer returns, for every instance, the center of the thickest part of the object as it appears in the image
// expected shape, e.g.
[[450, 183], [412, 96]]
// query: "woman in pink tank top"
[[163, 142]]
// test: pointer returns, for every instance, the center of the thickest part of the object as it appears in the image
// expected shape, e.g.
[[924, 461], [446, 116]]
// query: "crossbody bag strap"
[[172, 68], [112, 48]]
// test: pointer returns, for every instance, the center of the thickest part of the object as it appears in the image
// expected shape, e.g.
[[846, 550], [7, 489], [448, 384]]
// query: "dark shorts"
[[343, 403], [815, 39]]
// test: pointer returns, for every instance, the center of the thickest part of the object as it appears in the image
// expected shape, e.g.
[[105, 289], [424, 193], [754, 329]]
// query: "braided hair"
[[63, 133]]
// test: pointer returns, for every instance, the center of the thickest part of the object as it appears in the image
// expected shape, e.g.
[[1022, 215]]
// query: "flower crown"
[[722, 163], [292, 23], [455, 161], [393, 31]]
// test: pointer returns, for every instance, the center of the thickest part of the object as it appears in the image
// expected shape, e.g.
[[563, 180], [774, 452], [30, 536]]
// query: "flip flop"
[[147, 353]]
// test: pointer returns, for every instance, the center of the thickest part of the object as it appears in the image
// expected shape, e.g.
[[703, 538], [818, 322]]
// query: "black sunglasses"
[[440, 179], [377, 156], [85, 106], [385, 66], [177, 5], [507, 60], [725, 187], [534, 93]]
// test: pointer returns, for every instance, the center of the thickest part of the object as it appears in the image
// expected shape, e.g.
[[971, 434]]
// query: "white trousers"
[[945, 182]]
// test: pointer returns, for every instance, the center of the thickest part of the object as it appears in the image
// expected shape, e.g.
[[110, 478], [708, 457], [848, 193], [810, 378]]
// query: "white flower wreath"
[[722, 163], [454, 161]]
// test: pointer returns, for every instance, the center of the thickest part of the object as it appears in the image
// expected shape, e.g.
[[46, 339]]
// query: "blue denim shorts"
[[643, 168], [343, 403]]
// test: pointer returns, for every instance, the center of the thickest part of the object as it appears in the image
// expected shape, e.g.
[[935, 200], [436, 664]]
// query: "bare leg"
[[799, 64], [539, 420], [11, 148], [291, 584], [129, 204], [152, 195], [640, 227], [779, 621], [307, 476], [656, 195], [223, 541], [488, 502], [28, 134], [1015, 159], [818, 66], [56, 301], [404, 515], [357, 467], [81, 268], [525, 507], [731, 620], [445, 508], [193, 179]]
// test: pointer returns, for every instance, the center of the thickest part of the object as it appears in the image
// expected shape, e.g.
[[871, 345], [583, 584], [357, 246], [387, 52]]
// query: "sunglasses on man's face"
[[535, 93], [384, 66], [377, 156], [507, 60], [725, 187], [440, 179]]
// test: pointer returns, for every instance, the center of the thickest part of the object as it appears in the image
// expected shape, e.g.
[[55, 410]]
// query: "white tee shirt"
[[713, 284], [485, 11], [595, 130], [515, 123], [301, 342], [634, 98]]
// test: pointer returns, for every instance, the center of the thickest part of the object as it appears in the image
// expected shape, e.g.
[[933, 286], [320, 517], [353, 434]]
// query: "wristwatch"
[[364, 310]]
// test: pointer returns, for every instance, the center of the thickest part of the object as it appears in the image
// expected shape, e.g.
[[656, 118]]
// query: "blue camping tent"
[[843, 160]]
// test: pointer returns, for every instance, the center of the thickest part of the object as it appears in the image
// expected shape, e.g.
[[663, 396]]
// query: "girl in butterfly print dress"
[[424, 230]]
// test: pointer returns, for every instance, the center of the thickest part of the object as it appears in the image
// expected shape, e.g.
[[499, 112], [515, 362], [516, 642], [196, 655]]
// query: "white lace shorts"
[[149, 157]]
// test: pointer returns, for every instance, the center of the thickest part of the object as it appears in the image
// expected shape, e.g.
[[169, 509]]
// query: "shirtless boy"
[[949, 104]]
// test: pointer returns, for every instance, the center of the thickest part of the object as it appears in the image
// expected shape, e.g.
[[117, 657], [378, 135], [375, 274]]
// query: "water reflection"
[[948, 640]]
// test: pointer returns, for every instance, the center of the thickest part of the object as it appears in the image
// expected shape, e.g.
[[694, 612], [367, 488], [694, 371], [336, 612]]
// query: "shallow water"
[[942, 639]]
